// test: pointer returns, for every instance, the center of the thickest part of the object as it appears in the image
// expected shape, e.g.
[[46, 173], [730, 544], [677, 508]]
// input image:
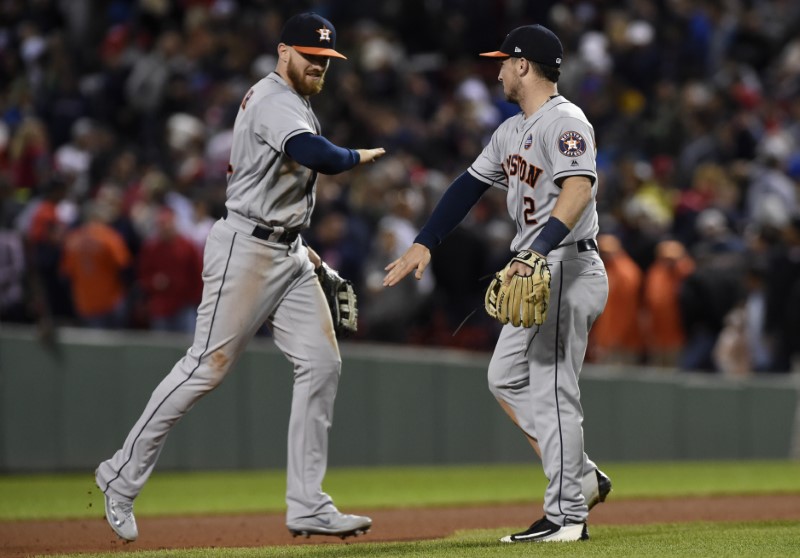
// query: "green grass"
[[167, 493], [767, 539]]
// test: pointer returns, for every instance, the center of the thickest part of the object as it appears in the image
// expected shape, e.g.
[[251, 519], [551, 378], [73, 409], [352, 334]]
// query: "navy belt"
[[286, 237], [586, 245]]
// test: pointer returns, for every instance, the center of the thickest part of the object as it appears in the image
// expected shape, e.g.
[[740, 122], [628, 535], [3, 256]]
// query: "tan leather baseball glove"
[[520, 300]]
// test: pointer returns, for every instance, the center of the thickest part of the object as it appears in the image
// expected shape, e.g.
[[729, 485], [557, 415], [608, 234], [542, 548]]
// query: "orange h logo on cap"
[[324, 34]]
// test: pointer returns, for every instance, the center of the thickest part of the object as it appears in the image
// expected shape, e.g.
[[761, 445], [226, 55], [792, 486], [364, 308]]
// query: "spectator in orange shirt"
[[169, 272], [616, 335], [95, 260], [664, 332]]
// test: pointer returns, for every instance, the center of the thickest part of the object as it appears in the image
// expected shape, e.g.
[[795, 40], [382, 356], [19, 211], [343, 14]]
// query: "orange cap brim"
[[495, 54], [315, 51]]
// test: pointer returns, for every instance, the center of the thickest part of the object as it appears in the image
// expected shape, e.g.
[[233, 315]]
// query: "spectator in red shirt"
[[29, 155], [170, 268]]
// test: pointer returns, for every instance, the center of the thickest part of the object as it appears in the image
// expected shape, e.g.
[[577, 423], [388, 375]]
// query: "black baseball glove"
[[341, 300]]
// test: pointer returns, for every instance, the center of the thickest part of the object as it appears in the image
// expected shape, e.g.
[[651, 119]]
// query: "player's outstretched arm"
[[417, 257], [458, 199], [318, 153], [370, 155]]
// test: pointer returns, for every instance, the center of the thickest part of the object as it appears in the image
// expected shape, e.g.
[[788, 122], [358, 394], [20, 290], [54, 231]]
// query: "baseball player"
[[256, 269], [544, 158]]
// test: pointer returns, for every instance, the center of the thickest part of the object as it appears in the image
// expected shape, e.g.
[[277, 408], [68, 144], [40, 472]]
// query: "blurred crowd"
[[115, 130]]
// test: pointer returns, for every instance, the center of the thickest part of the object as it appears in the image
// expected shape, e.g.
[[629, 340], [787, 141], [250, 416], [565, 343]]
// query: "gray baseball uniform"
[[255, 269], [535, 370]]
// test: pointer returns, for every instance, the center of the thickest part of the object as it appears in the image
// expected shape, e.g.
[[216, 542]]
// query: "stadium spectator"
[[663, 328], [169, 273], [783, 297], [95, 259], [695, 107], [616, 336], [12, 260], [44, 222], [389, 316]]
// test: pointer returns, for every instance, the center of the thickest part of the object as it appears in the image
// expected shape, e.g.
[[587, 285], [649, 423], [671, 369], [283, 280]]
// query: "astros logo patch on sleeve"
[[572, 144]]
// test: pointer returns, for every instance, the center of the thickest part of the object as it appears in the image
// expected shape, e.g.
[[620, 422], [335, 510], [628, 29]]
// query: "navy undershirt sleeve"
[[319, 154], [463, 193]]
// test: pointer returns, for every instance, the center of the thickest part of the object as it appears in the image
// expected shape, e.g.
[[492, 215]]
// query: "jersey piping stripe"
[[577, 172], [555, 387], [310, 196], [491, 181], [199, 360]]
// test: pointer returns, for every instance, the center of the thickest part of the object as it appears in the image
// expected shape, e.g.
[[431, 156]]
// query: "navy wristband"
[[551, 235]]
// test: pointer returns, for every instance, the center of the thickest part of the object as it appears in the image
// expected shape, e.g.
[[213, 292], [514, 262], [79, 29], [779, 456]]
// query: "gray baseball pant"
[[247, 281], [534, 373]]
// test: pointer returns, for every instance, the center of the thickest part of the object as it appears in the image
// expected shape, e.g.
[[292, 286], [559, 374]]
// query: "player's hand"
[[519, 268], [315, 259], [416, 257], [369, 155]]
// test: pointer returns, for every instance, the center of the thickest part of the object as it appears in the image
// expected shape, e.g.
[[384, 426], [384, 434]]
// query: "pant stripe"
[[555, 387]]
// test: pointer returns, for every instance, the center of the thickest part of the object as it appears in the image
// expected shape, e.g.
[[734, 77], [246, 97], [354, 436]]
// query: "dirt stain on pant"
[[219, 363]]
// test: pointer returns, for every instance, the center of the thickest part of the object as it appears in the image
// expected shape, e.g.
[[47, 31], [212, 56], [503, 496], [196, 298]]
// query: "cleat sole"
[[342, 535]]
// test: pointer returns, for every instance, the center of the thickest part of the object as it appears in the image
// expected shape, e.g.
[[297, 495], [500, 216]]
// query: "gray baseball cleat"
[[334, 523], [596, 485], [120, 516]]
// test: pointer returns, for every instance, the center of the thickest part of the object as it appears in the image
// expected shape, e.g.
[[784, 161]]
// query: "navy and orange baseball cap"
[[533, 42], [311, 33]]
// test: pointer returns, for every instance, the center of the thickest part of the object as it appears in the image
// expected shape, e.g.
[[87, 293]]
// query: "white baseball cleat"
[[120, 516], [330, 523], [545, 530]]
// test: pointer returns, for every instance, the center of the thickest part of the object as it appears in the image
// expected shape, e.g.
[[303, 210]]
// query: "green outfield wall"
[[68, 405]]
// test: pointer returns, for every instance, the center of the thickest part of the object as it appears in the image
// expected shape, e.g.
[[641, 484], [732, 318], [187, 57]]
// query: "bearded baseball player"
[[555, 286], [256, 269]]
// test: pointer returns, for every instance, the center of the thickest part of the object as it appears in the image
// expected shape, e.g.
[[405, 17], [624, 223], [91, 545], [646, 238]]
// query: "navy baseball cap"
[[311, 33], [533, 42]]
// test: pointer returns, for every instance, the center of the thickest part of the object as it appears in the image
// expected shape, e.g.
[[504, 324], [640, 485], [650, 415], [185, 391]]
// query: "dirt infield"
[[27, 538]]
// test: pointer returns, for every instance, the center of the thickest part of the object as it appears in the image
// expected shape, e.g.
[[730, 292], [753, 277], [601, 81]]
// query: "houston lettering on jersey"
[[517, 165]]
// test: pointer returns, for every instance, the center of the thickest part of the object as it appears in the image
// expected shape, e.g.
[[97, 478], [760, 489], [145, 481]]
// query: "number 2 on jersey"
[[530, 209], [528, 174], [530, 179]]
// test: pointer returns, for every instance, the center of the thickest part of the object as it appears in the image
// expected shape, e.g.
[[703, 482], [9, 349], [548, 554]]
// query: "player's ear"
[[284, 52]]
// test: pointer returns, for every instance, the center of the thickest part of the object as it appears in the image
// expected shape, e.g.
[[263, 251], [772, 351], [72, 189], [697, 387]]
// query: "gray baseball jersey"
[[534, 371], [249, 280], [264, 184], [529, 157]]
